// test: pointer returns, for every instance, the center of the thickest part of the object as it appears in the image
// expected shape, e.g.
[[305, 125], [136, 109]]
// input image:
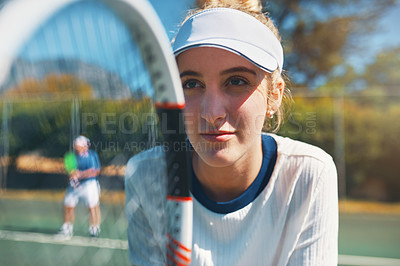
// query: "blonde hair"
[[251, 7], [254, 8]]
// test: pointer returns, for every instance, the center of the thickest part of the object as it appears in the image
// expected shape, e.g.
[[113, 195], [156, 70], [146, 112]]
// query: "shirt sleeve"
[[318, 240], [97, 164], [145, 208]]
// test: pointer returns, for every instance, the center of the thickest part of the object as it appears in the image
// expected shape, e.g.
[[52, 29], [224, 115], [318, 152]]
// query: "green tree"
[[318, 34], [383, 75], [53, 86], [371, 111]]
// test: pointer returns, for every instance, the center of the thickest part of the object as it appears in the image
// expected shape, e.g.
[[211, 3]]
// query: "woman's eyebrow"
[[190, 73], [239, 69]]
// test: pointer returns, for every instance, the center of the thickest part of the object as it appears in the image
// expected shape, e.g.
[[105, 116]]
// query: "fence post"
[[339, 143], [75, 122], [5, 143]]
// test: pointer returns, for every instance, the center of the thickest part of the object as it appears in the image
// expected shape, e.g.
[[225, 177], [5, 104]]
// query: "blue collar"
[[269, 149]]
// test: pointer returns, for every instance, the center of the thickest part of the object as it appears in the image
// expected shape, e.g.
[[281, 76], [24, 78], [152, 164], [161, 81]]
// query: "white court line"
[[123, 245], [367, 261], [57, 240]]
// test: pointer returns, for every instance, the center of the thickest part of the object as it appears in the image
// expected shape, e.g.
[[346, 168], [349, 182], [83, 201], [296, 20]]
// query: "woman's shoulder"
[[149, 156], [147, 163], [299, 159], [303, 166], [293, 148]]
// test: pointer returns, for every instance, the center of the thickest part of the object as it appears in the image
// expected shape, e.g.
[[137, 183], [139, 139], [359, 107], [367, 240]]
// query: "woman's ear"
[[275, 96]]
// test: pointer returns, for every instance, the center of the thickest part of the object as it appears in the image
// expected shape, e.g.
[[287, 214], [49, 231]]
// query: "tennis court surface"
[[29, 221]]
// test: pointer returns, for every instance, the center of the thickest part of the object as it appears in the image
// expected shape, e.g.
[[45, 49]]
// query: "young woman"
[[258, 198]]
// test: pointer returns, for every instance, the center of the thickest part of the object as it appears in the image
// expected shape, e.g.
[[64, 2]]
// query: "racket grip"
[[180, 223], [74, 182]]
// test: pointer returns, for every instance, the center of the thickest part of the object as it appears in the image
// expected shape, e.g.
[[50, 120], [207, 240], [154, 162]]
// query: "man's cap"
[[82, 141]]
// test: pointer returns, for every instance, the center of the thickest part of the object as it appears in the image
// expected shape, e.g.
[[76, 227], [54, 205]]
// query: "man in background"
[[84, 186]]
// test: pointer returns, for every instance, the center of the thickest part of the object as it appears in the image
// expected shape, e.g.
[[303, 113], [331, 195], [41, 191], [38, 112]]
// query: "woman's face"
[[226, 104]]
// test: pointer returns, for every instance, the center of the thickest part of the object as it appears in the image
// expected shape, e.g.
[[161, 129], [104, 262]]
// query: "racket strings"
[[85, 46], [86, 53]]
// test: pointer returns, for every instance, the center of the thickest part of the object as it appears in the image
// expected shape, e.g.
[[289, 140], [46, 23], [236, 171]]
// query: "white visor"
[[234, 31]]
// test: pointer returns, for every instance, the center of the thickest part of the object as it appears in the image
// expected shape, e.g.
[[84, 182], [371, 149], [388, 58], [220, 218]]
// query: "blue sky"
[[389, 29], [171, 13], [385, 37]]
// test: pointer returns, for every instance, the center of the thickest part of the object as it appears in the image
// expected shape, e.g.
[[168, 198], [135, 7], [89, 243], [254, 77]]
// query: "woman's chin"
[[218, 158]]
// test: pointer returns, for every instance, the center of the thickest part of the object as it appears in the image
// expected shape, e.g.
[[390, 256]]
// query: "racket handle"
[[179, 243], [74, 182]]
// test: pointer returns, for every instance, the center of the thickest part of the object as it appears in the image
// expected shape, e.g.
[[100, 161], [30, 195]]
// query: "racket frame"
[[26, 16]]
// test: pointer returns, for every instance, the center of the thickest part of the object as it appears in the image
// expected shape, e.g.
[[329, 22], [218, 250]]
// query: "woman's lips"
[[217, 136]]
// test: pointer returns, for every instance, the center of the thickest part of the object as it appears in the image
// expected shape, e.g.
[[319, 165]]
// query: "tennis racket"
[[120, 48], [71, 165]]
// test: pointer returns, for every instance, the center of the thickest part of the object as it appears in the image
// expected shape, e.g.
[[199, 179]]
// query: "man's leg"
[[94, 214], [94, 208], [69, 214], [98, 215], [95, 218], [67, 228]]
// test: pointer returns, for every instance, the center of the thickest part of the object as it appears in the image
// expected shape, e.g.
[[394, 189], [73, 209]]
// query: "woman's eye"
[[190, 84], [237, 82]]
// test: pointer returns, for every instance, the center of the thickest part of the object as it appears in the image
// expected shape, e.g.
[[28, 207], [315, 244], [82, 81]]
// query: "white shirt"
[[293, 221]]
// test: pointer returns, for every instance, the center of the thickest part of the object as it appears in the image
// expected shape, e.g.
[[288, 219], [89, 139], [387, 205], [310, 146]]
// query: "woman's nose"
[[213, 107]]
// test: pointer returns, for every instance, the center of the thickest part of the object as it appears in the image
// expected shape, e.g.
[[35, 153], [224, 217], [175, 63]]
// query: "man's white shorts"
[[88, 191]]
